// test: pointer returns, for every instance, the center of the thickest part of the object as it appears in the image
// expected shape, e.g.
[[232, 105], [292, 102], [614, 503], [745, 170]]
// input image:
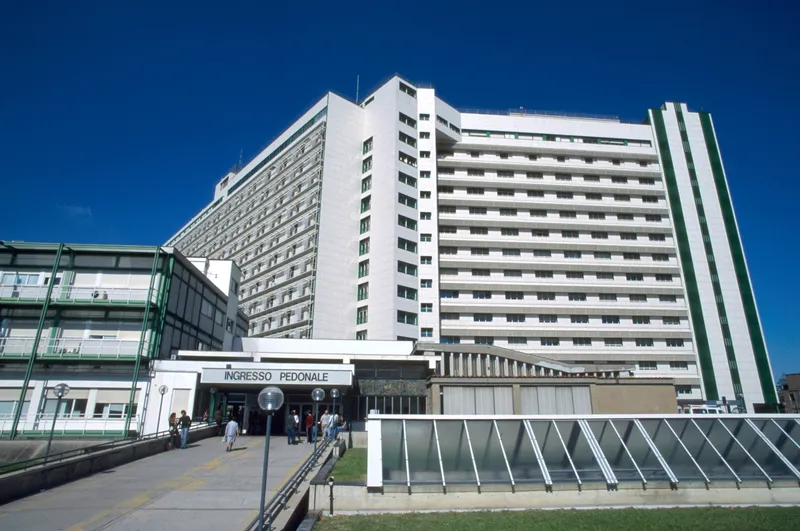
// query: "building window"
[[504, 192], [517, 340], [667, 298], [424, 117], [679, 365], [683, 389], [647, 181], [480, 231], [364, 225], [425, 260], [541, 253], [545, 296], [594, 197], [406, 317], [366, 184], [424, 154], [407, 159], [362, 315], [631, 256], [540, 233], [597, 215], [543, 274], [407, 293], [426, 332], [648, 366], [625, 217], [482, 318], [582, 342], [657, 238], [569, 234], [479, 251], [549, 342], [577, 297], [481, 294], [514, 295], [361, 335], [424, 135], [511, 252], [406, 200], [425, 174], [477, 211], [484, 340], [366, 203], [366, 146], [407, 90], [480, 272], [663, 278], [534, 174], [425, 216], [446, 294], [363, 268], [508, 211], [641, 320], [412, 123], [660, 258], [637, 297], [406, 268], [671, 320], [613, 342], [547, 318], [516, 273], [505, 173], [363, 291], [579, 319], [634, 277], [426, 307], [644, 342], [406, 179], [363, 247], [574, 274], [509, 232], [407, 223], [515, 318], [424, 195], [674, 343], [426, 283], [425, 237], [564, 195], [366, 165], [406, 245], [610, 319]]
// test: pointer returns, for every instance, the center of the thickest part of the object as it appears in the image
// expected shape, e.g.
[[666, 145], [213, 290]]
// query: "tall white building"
[[580, 239]]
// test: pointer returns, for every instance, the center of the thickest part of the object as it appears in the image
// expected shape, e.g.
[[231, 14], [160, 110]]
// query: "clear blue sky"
[[117, 118]]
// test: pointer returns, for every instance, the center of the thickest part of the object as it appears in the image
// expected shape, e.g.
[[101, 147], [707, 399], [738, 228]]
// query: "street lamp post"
[[334, 396], [270, 399], [317, 395], [61, 390], [162, 391]]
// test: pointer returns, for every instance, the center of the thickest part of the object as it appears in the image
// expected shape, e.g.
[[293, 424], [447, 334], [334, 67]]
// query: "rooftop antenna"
[[357, 80], [240, 158]]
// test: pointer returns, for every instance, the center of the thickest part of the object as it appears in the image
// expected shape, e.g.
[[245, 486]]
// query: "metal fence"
[[278, 502]]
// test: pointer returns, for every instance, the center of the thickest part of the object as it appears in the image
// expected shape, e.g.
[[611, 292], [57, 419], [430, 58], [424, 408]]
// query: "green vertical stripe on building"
[[693, 292], [743, 279]]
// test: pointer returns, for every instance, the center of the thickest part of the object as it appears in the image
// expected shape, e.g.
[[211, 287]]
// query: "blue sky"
[[117, 118]]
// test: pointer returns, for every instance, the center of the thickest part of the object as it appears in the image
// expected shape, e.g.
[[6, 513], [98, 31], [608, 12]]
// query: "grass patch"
[[352, 466], [707, 519]]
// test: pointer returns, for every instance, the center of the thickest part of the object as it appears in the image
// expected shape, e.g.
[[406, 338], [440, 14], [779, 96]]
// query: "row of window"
[[557, 341], [520, 135], [550, 318], [543, 194], [509, 174], [541, 157], [520, 295], [545, 233], [543, 274], [547, 253]]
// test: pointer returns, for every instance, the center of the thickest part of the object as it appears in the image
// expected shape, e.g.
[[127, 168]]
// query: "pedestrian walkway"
[[199, 488]]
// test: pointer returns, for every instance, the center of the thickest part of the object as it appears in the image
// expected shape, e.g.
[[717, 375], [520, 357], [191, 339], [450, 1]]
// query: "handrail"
[[61, 456], [281, 498]]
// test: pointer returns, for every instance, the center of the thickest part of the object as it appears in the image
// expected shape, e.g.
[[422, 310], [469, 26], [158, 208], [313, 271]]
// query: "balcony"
[[96, 296], [71, 349]]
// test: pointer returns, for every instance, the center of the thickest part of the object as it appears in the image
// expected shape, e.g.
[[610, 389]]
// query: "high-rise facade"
[[581, 239]]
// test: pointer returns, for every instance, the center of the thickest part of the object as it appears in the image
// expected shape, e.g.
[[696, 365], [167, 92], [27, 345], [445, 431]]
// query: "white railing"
[[13, 347], [68, 425], [94, 295]]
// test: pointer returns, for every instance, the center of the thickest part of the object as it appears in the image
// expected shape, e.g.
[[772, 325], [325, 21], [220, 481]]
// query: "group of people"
[[179, 430], [329, 424]]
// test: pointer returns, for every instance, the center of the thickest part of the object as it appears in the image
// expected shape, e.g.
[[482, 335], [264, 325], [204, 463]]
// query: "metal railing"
[[77, 425], [71, 454], [76, 294], [281, 499], [69, 348]]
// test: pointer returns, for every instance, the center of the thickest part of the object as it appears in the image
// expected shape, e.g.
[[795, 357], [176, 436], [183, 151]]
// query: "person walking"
[[231, 432], [326, 424], [309, 428], [218, 420], [174, 435], [294, 425], [185, 422]]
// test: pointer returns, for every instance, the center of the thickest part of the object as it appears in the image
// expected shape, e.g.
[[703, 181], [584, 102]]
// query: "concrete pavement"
[[199, 488]]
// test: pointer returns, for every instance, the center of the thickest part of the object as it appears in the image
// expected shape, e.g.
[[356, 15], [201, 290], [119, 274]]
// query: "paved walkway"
[[195, 489]]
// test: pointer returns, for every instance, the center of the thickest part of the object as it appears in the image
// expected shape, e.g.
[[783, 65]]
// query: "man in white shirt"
[[231, 432], [326, 423], [295, 425]]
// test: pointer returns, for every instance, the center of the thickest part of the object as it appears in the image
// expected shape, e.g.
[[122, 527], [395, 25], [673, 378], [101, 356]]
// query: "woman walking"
[[174, 434]]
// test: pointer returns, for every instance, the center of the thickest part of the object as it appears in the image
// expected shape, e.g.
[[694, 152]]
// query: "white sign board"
[[280, 377]]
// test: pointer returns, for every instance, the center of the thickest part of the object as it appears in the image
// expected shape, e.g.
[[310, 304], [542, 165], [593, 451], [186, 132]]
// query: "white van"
[[705, 410]]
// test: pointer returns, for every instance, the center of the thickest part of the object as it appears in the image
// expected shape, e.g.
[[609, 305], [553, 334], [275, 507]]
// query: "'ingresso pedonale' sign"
[[275, 377]]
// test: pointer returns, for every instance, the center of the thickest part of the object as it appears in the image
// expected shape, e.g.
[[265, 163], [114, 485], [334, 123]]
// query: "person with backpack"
[[185, 422]]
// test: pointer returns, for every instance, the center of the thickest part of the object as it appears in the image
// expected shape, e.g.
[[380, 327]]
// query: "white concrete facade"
[[549, 235]]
